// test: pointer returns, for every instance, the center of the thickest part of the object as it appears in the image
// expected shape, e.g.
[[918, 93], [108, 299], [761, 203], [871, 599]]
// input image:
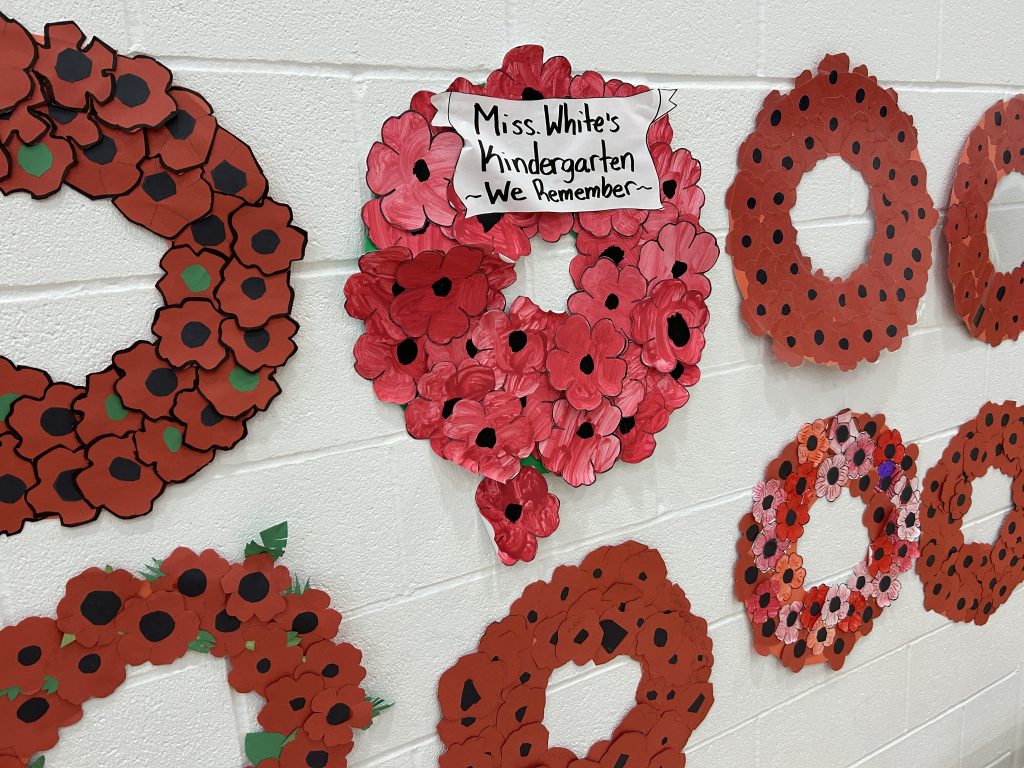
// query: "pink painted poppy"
[[680, 253], [860, 456], [670, 325], [609, 292], [624, 221], [904, 555], [524, 74], [621, 250], [383, 233], [886, 588], [440, 292], [372, 288], [678, 171], [389, 358], [672, 386], [440, 390], [843, 432], [634, 385], [520, 511], [586, 362], [819, 637], [411, 170], [852, 621], [788, 629], [636, 432], [582, 443], [860, 579], [507, 233], [837, 603], [552, 227], [488, 437], [513, 346], [763, 603], [768, 548], [767, 498], [908, 522], [832, 478]]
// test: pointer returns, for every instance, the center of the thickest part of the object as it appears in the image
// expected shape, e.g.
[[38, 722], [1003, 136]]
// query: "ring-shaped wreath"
[[113, 127], [514, 394], [792, 620]]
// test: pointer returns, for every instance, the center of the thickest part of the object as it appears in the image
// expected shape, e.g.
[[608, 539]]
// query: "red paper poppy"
[[197, 578], [507, 234], [188, 275], [211, 231], [37, 166], [19, 54], [609, 291], [190, 333], [289, 703], [231, 169], [440, 390], [586, 361], [76, 73], [519, 511], [264, 236], [87, 673], [16, 382], [27, 651], [254, 588], [166, 201], [92, 600], [205, 428], [488, 437], [156, 628], [46, 422], [57, 493], [18, 476], [30, 724], [339, 664], [110, 165], [670, 326], [514, 347], [24, 120], [184, 140], [256, 348], [252, 297], [269, 659], [117, 480], [230, 636], [140, 97], [234, 391], [80, 127], [309, 616], [524, 74], [304, 751], [583, 443], [372, 289], [389, 358], [149, 383], [681, 252], [336, 711]]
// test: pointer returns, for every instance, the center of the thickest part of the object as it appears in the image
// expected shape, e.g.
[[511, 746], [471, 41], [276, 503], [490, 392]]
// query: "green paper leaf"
[[39, 762], [6, 402], [115, 408], [379, 705], [368, 246], [274, 539], [67, 640], [50, 684], [11, 693], [297, 587], [532, 461], [250, 645], [293, 639], [203, 643], [153, 572], [261, 745], [35, 159]]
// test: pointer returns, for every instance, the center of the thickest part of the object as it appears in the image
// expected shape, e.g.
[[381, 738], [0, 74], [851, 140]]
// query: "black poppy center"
[[790, 518], [90, 664], [420, 170], [253, 587], [679, 269], [449, 406], [305, 622], [587, 364], [585, 431], [33, 709], [339, 714], [668, 187], [764, 599], [611, 302], [100, 607], [297, 704], [330, 670], [30, 655], [614, 253], [131, 90], [767, 501], [770, 548], [835, 604], [517, 340], [407, 352], [192, 583], [486, 438], [513, 512], [489, 221], [626, 424], [884, 583], [812, 443], [678, 330], [859, 456], [442, 287], [226, 623], [156, 626], [73, 66], [842, 433], [58, 421], [832, 476]]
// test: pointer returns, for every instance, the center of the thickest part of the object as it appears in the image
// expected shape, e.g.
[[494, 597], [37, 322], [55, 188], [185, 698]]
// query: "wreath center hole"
[[990, 501], [543, 274], [1006, 223], [832, 219], [834, 540], [68, 315], [586, 704]]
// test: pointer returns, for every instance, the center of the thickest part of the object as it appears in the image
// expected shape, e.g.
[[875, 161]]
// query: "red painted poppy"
[[30, 724], [87, 673], [256, 348], [230, 635], [586, 361], [514, 346], [140, 97], [161, 444], [371, 290], [670, 326], [304, 751], [233, 391], [57, 493], [92, 600], [188, 275], [110, 165], [264, 236], [488, 437], [19, 54], [101, 411], [254, 588], [519, 511], [115, 478], [609, 291], [252, 297], [680, 253], [156, 628], [148, 383], [184, 141], [636, 433], [385, 235], [269, 659], [231, 169], [440, 390], [166, 201], [525, 75], [392, 360], [27, 652], [190, 333], [310, 616], [195, 577], [77, 74], [205, 428], [507, 234], [38, 167], [582, 443], [289, 702], [621, 250]]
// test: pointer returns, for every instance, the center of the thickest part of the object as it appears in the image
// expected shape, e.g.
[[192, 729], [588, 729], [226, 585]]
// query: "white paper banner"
[[554, 154]]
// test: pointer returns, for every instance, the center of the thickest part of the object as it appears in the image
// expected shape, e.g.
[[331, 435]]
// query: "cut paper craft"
[[618, 602], [514, 394], [968, 581], [804, 624], [277, 633], [810, 316], [113, 127], [990, 303]]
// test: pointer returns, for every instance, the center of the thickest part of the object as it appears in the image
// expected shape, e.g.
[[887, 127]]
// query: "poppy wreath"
[[989, 302], [277, 633], [803, 624], [618, 602], [969, 581], [513, 395], [844, 112], [113, 127]]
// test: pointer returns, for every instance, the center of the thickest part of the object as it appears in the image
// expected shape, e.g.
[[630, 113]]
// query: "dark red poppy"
[[149, 383], [24, 120], [166, 201], [87, 673], [30, 724], [234, 391], [264, 236], [269, 659], [525, 75], [392, 360], [336, 711], [26, 653], [382, 234], [57, 493], [115, 478], [489, 436], [19, 54], [254, 588], [76, 73], [80, 127], [253, 297], [189, 275], [255, 348], [101, 411], [303, 751], [195, 577], [289, 702], [205, 428], [471, 689], [231, 168], [519, 511], [92, 600], [46, 422], [190, 333], [229, 634], [479, 752], [585, 361], [161, 444], [110, 165], [636, 433], [140, 97], [211, 231], [337, 664], [16, 382], [38, 167], [184, 140], [310, 616], [372, 289], [156, 628], [530, 740]]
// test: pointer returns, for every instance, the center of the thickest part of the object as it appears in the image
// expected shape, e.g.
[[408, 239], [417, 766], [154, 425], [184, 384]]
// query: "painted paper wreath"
[[810, 316], [277, 632], [110, 126], [618, 602], [512, 395], [804, 624], [988, 301], [968, 581]]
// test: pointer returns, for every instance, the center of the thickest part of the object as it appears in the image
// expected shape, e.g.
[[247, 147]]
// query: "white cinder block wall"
[[390, 530]]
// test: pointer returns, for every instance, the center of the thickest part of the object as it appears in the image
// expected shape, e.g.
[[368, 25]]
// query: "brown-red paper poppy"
[[156, 628], [140, 97], [101, 411], [110, 165], [37, 167], [91, 602], [231, 169], [252, 296], [256, 348], [161, 443], [80, 127], [184, 141], [270, 658], [190, 333], [75, 73], [47, 421], [189, 275], [57, 493], [26, 653], [205, 427], [17, 55], [30, 723], [265, 237], [166, 201], [149, 383], [116, 478], [211, 230], [24, 121], [88, 673], [233, 391]]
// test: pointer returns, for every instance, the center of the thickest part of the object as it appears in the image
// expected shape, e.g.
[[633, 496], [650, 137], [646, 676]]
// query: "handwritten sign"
[[554, 154]]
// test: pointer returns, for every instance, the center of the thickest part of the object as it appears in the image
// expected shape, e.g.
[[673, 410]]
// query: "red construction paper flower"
[[92, 601], [30, 724], [87, 673], [583, 443], [610, 292], [197, 578], [254, 588], [157, 628], [27, 652], [488, 437], [520, 512], [336, 711], [289, 702], [309, 616], [270, 658]]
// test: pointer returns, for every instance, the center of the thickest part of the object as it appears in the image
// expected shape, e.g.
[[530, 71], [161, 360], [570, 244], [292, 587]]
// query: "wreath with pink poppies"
[[799, 623], [618, 602], [113, 127], [277, 632], [513, 395]]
